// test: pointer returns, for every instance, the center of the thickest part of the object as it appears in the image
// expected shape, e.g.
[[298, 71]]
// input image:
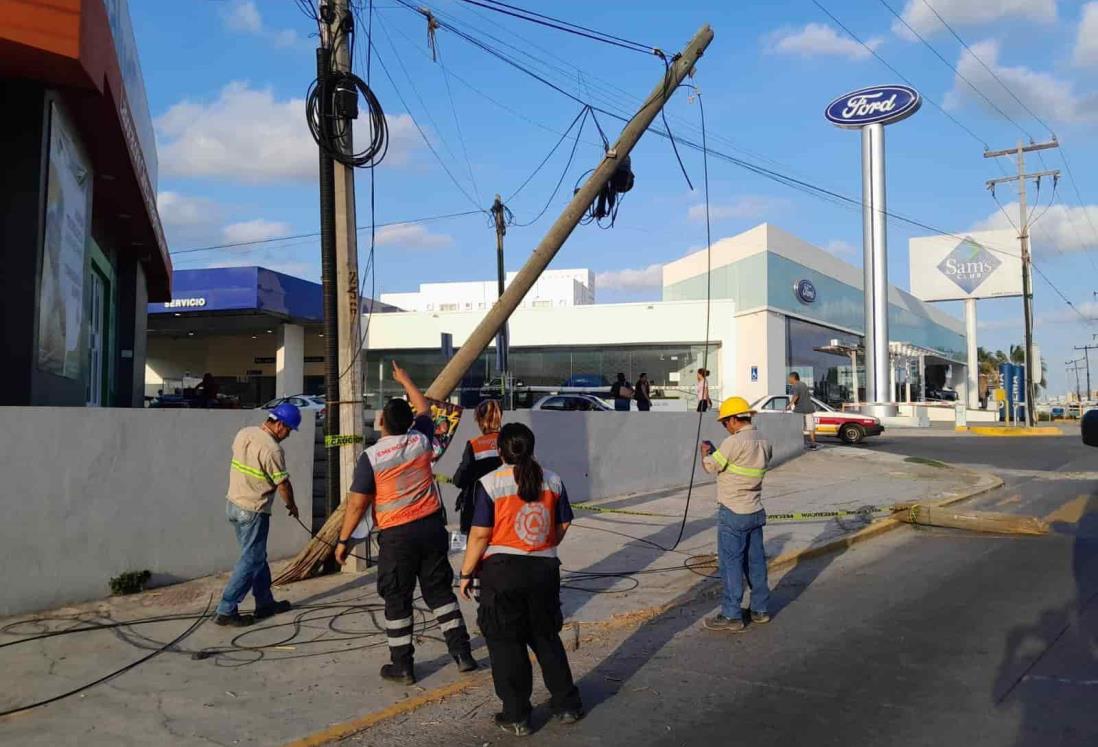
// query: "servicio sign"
[[873, 105]]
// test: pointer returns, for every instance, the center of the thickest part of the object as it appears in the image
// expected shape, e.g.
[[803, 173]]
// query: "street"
[[923, 636]]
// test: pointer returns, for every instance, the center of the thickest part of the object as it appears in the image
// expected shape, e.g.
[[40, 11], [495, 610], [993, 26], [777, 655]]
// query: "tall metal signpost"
[[869, 110]]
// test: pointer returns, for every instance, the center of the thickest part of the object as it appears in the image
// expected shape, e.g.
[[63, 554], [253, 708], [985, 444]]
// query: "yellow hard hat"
[[734, 406]]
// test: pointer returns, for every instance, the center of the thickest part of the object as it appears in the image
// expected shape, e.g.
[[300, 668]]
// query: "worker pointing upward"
[[739, 464]]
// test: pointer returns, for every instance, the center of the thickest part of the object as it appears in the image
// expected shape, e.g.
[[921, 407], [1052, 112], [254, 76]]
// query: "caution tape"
[[816, 515], [332, 442], [445, 479], [602, 510]]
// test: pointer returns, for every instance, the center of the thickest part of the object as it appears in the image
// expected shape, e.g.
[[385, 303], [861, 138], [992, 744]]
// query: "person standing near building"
[[642, 392], [740, 464], [801, 402], [481, 456], [257, 471], [701, 390], [622, 393], [520, 516], [394, 476]]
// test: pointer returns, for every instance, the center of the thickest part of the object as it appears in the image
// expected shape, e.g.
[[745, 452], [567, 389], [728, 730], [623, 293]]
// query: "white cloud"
[[841, 248], [1045, 94], [246, 135], [818, 40], [645, 278], [412, 236], [1062, 228], [741, 207], [244, 17], [254, 230], [970, 12], [178, 210], [1068, 315], [1086, 41]]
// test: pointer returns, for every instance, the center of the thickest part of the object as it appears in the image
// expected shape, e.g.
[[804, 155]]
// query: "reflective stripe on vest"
[[522, 528], [251, 471], [405, 489], [735, 469], [485, 447]]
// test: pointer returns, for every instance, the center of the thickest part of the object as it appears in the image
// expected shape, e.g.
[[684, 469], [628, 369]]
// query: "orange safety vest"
[[522, 528], [405, 484], [485, 447]]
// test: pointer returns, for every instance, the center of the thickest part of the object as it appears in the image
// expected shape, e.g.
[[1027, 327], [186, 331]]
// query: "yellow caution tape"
[[601, 510], [331, 442]]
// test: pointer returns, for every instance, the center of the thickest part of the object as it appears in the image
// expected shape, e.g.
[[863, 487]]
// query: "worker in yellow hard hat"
[[740, 464]]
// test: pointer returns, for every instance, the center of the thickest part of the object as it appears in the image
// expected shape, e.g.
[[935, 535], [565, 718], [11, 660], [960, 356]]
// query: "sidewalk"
[[317, 666]]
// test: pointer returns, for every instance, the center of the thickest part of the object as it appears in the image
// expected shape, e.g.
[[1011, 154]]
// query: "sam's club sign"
[[969, 265], [873, 105]]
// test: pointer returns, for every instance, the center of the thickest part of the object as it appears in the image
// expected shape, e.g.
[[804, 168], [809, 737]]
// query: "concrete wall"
[[601, 454], [90, 493]]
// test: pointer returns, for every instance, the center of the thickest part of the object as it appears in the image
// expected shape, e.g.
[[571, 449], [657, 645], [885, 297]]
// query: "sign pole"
[[973, 374]]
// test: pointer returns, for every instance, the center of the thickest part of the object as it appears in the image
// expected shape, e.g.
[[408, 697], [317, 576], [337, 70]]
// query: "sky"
[[226, 83]]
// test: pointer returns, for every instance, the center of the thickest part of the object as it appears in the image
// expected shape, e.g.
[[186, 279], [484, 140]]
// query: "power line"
[[555, 23]]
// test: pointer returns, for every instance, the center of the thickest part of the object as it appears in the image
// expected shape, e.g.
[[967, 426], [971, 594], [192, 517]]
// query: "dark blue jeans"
[[251, 572], [621, 405], [739, 554]]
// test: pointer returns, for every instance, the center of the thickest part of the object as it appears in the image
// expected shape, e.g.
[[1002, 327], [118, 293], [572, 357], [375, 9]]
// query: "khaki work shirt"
[[258, 467], [740, 463]]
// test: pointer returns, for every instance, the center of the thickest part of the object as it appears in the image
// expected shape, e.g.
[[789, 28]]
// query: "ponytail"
[[516, 447]]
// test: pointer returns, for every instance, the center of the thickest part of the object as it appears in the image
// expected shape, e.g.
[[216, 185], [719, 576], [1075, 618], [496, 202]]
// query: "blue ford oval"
[[873, 105]]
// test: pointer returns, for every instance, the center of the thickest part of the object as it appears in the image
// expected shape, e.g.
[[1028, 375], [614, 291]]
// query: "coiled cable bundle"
[[330, 105]]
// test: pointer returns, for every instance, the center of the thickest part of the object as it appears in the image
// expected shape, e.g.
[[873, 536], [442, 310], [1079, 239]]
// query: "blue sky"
[[226, 82]]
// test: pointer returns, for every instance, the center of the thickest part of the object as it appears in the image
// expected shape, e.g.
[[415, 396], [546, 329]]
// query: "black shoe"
[[516, 728], [760, 618], [400, 674], [569, 716], [261, 613], [235, 620], [465, 662], [724, 624]]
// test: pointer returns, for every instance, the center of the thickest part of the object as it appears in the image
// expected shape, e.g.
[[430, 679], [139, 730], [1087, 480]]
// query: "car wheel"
[[851, 433]]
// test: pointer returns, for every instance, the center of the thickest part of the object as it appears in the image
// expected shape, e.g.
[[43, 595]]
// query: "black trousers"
[[520, 608], [418, 551]]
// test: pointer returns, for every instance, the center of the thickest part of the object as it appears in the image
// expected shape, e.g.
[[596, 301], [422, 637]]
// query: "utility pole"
[[1023, 237], [349, 315], [562, 228], [1086, 355], [499, 214], [1074, 365]]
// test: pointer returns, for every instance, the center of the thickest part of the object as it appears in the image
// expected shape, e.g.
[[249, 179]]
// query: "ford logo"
[[805, 291], [874, 105]]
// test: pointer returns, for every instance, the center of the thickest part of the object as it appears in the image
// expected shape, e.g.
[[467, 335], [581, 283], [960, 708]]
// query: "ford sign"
[[805, 291], [875, 105]]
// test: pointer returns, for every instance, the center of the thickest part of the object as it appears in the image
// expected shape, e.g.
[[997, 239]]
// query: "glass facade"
[[670, 368], [829, 375]]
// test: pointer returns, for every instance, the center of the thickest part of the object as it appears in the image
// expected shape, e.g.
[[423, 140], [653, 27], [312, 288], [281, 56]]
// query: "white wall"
[[90, 493], [554, 288], [763, 345]]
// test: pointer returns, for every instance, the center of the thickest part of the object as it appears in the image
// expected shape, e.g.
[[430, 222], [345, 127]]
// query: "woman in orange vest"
[[480, 458], [520, 515]]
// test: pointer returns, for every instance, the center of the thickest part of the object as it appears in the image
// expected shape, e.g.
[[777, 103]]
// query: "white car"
[[851, 427], [571, 403], [313, 403]]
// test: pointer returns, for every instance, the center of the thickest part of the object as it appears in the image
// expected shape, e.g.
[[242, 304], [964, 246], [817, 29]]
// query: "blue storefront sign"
[[254, 289], [873, 105]]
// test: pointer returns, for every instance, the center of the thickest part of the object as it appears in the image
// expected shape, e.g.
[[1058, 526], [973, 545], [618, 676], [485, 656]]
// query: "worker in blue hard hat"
[[256, 473]]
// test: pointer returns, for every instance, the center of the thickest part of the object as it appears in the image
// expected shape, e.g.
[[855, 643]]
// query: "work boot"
[[569, 716], [235, 620], [516, 728], [401, 674], [270, 610], [724, 624], [759, 618], [465, 661]]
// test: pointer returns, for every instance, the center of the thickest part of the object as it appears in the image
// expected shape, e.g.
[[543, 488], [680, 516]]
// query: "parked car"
[[313, 403], [943, 394], [586, 381], [851, 428], [572, 403]]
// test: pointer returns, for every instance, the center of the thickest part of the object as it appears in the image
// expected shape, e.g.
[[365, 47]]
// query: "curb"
[[1011, 432], [346, 729]]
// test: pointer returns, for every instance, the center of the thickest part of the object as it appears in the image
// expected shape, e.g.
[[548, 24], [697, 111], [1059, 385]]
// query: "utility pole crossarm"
[[1033, 175], [562, 228], [1023, 148]]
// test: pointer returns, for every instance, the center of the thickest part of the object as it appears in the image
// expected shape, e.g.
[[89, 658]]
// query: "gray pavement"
[[317, 666]]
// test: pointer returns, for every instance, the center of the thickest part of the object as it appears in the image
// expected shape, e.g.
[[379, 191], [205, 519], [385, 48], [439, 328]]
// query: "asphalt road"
[[921, 637]]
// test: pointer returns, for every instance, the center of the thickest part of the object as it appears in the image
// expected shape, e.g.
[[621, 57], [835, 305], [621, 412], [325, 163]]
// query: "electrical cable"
[[566, 26], [567, 166], [564, 136]]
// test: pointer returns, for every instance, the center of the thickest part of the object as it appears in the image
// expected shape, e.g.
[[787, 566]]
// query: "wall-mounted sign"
[[754, 373], [805, 291], [185, 303], [985, 264], [873, 105]]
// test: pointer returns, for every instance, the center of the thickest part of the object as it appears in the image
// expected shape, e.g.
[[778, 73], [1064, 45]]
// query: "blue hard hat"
[[287, 414]]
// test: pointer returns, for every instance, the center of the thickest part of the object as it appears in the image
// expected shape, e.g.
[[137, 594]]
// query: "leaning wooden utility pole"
[[306, 561], [1032, 377], [475, 345]]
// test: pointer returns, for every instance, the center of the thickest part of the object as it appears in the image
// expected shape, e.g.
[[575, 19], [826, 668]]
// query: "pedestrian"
[[257, 471], [642, 392], [622, 393], [739, 464], [801, 402], [701, 390], [207, 390], [394, 477], [481, 456], [520, 516]]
